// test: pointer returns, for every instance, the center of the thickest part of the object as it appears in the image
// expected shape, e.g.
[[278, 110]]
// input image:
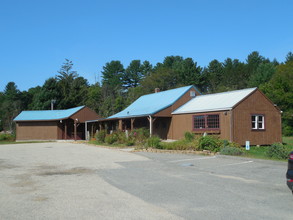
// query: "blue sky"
[[37, 35]]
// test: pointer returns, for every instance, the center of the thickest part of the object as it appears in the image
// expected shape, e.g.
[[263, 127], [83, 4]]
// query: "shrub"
[[179, 145], [140, 135], [7, 137], [189, 136], [121, 137], [277, 151], [153, 141], [229, 150], [101, 135], [130, 141], [209, 143], [111, 138]]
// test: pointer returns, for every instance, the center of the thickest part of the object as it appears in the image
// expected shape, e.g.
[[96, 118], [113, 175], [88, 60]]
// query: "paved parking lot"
[[78, 181]]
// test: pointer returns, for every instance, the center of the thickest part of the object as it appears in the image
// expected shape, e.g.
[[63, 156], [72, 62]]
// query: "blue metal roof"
[[47, 115], [152, 103]]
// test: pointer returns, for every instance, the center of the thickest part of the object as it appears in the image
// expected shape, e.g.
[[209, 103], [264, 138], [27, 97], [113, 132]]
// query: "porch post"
[[120, 125], [92, 131], [65, 130], [75, 129], [131, 124], [151, 125], [85, 128]]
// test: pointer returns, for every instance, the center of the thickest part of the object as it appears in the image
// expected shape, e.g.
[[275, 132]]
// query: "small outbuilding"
[[238, 116], [53, 124]]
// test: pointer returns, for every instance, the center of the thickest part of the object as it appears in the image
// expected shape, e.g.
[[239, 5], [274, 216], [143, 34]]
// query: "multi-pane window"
[[206, 122], [257, 122]]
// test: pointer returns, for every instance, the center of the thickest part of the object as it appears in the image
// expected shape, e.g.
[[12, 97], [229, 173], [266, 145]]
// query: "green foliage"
[[180, 145], [133, 74], [280, 90], [111, 138], [277, 151], [121, 137], [153, 142], [7, 137], [262, 74], [130, 142], [189, 136], [229, 150], [112, 74], [210, 143], [101, 135], [140, 135]]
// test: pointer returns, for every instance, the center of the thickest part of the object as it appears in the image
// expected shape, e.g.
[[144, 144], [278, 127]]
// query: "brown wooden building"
[[238, 116], [53, 124], [152, 111]]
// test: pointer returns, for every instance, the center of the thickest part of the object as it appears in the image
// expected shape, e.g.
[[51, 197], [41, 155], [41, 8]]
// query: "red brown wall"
[[36, 130], [256, 103], [85, 114], [183, 122], [182, 100]]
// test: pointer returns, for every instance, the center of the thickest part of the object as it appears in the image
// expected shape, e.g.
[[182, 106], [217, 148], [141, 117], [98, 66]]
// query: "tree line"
[[121, 86]]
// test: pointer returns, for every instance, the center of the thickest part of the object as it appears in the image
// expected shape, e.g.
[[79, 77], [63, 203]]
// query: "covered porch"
[[158, 126]]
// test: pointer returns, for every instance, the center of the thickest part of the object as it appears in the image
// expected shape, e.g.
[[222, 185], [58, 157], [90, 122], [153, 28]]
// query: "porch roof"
[[47, 115], [152, 103]]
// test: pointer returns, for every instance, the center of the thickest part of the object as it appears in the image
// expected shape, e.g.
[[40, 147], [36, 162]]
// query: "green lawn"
[[260, 152], [288, 141]]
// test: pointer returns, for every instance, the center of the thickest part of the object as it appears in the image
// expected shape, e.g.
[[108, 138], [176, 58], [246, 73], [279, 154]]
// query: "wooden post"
[[75, 129], [92, 131], [65, 129], [120, 125], [131, 123], [85, 129]]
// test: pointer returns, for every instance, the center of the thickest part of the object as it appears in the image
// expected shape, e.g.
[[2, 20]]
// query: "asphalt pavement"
[[79, 181]]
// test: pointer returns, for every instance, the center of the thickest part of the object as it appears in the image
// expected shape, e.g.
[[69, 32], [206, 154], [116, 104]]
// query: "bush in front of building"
[[153, 142], [180, 145], [140, 135], [277, 151], [189, 136], [230, 150], [7, 137], [210, 143], [111, 138], [121, 137], [101, 135]]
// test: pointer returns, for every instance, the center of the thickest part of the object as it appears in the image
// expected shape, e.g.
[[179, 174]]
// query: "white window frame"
[[258, 123]]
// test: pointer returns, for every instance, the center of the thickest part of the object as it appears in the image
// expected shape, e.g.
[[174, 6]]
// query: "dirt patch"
[[5, 165], [73, 171], [40, 198]]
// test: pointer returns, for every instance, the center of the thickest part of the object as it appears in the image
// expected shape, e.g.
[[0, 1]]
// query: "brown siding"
[[36, 131], [185, 98], [162, 127], [85, 114], [183, 122], [256, 103]]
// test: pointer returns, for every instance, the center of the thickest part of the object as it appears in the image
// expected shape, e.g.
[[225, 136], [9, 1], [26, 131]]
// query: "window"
[[257, 122], [206, 122], [192, 94]]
